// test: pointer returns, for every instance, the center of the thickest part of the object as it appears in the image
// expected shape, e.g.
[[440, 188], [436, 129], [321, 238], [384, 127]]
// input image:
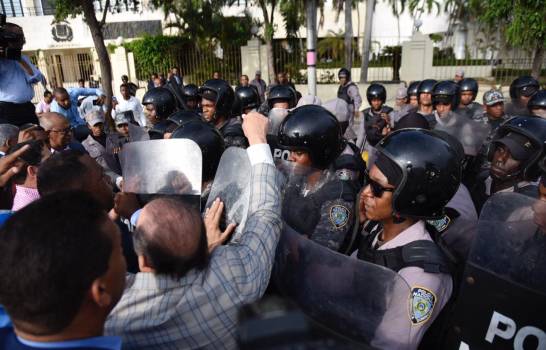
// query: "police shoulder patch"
[[441, 224], [421, 304], [339, 215]]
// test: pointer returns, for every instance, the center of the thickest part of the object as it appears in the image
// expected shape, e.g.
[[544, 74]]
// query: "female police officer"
[[407, 186], [321, 206]]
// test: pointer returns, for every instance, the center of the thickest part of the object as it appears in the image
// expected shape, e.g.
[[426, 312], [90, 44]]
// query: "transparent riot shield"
[[502, 299], [470, 133], [162, 167], [232, 186], [364, 302], [276, 116]]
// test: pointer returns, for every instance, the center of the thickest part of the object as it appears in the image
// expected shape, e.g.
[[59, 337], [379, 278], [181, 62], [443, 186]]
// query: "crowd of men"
[[86, 264]]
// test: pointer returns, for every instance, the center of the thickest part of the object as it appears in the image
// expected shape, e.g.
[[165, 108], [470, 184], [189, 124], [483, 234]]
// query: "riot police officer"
[[377, 120], [190, 94], [407, 186], [413, 93], [517, 148], [537, 104], [217, 99], [247, 99], [321, 206], [348, 91], [521, 91], [159, 104], [281, 96], [445, 98], [212, 146], [468, 88], [424, 98]]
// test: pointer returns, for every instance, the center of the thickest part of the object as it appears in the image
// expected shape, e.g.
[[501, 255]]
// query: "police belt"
[[422, 253]]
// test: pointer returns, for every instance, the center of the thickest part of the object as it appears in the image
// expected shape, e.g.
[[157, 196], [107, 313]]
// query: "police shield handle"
[[215, 236], [255, 127]]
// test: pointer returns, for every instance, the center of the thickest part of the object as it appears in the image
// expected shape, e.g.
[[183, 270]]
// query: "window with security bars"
[[85, 66], [11, 8]]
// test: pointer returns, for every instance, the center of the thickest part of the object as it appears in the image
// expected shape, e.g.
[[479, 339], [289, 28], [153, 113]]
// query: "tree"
[[521, 23], [66, 8]]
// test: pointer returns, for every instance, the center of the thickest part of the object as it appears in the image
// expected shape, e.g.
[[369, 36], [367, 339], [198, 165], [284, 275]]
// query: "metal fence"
[[481, 61], [384, 63], [197, 65]]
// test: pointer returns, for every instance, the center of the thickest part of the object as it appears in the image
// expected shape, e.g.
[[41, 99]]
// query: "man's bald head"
[[52, 120], [170, 234]]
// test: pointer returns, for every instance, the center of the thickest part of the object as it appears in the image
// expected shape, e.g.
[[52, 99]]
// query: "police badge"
[[421, 304], [339, 216]]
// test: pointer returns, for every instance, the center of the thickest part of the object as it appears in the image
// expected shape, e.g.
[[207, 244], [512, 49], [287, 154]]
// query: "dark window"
[[131, 29], [12, 8]]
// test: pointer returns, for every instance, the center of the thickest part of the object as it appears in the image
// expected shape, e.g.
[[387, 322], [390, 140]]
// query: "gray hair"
[[7, 132]]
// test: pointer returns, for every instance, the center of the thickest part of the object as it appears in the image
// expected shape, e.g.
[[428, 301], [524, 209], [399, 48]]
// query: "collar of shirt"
[[107, 343], [415, 232], [521, 184], [153, 281], [24, 196]]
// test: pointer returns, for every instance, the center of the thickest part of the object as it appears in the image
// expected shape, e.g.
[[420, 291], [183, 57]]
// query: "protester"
[[195, 294], [151, 81], [59, 133], [45, 104], [66, 103], [17, 77], [95, 144], [26, 183], [129, 102], [70, 255], [8, 137], [132, 86]]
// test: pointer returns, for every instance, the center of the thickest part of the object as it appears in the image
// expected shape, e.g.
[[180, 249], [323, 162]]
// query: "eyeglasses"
[[377, 189], [64, 131]]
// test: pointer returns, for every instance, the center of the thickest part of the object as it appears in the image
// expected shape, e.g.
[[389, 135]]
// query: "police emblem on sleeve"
[[339, 215], [421, 304]]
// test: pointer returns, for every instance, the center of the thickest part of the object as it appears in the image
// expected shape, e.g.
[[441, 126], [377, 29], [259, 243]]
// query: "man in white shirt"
[[130, 103]]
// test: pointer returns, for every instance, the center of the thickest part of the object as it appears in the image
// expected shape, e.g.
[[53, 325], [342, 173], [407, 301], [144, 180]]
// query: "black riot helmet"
[[282, 93], [469, 84], [221, 93], [446, 91], [425, 86], [538, 100], [344, 72], [523, 86], [209, 140], [182, 117], [429, 179], [313, 129], [376, 91], [533, 129], [247, 97], [162, 100], [413, 88], [190, 91]]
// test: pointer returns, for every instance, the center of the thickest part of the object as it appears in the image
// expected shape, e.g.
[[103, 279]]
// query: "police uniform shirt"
[[516, 188], [462, 203], [472, 111], [429, 292]]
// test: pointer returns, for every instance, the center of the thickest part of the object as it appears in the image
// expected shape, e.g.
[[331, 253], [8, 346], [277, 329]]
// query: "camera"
[[11, 43]]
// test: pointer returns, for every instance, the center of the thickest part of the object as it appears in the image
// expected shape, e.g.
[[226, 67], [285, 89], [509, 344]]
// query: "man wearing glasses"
[[59, 133]]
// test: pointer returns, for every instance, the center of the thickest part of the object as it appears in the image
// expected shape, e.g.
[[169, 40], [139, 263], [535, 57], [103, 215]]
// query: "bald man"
[[184, 296], [59, 133]]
